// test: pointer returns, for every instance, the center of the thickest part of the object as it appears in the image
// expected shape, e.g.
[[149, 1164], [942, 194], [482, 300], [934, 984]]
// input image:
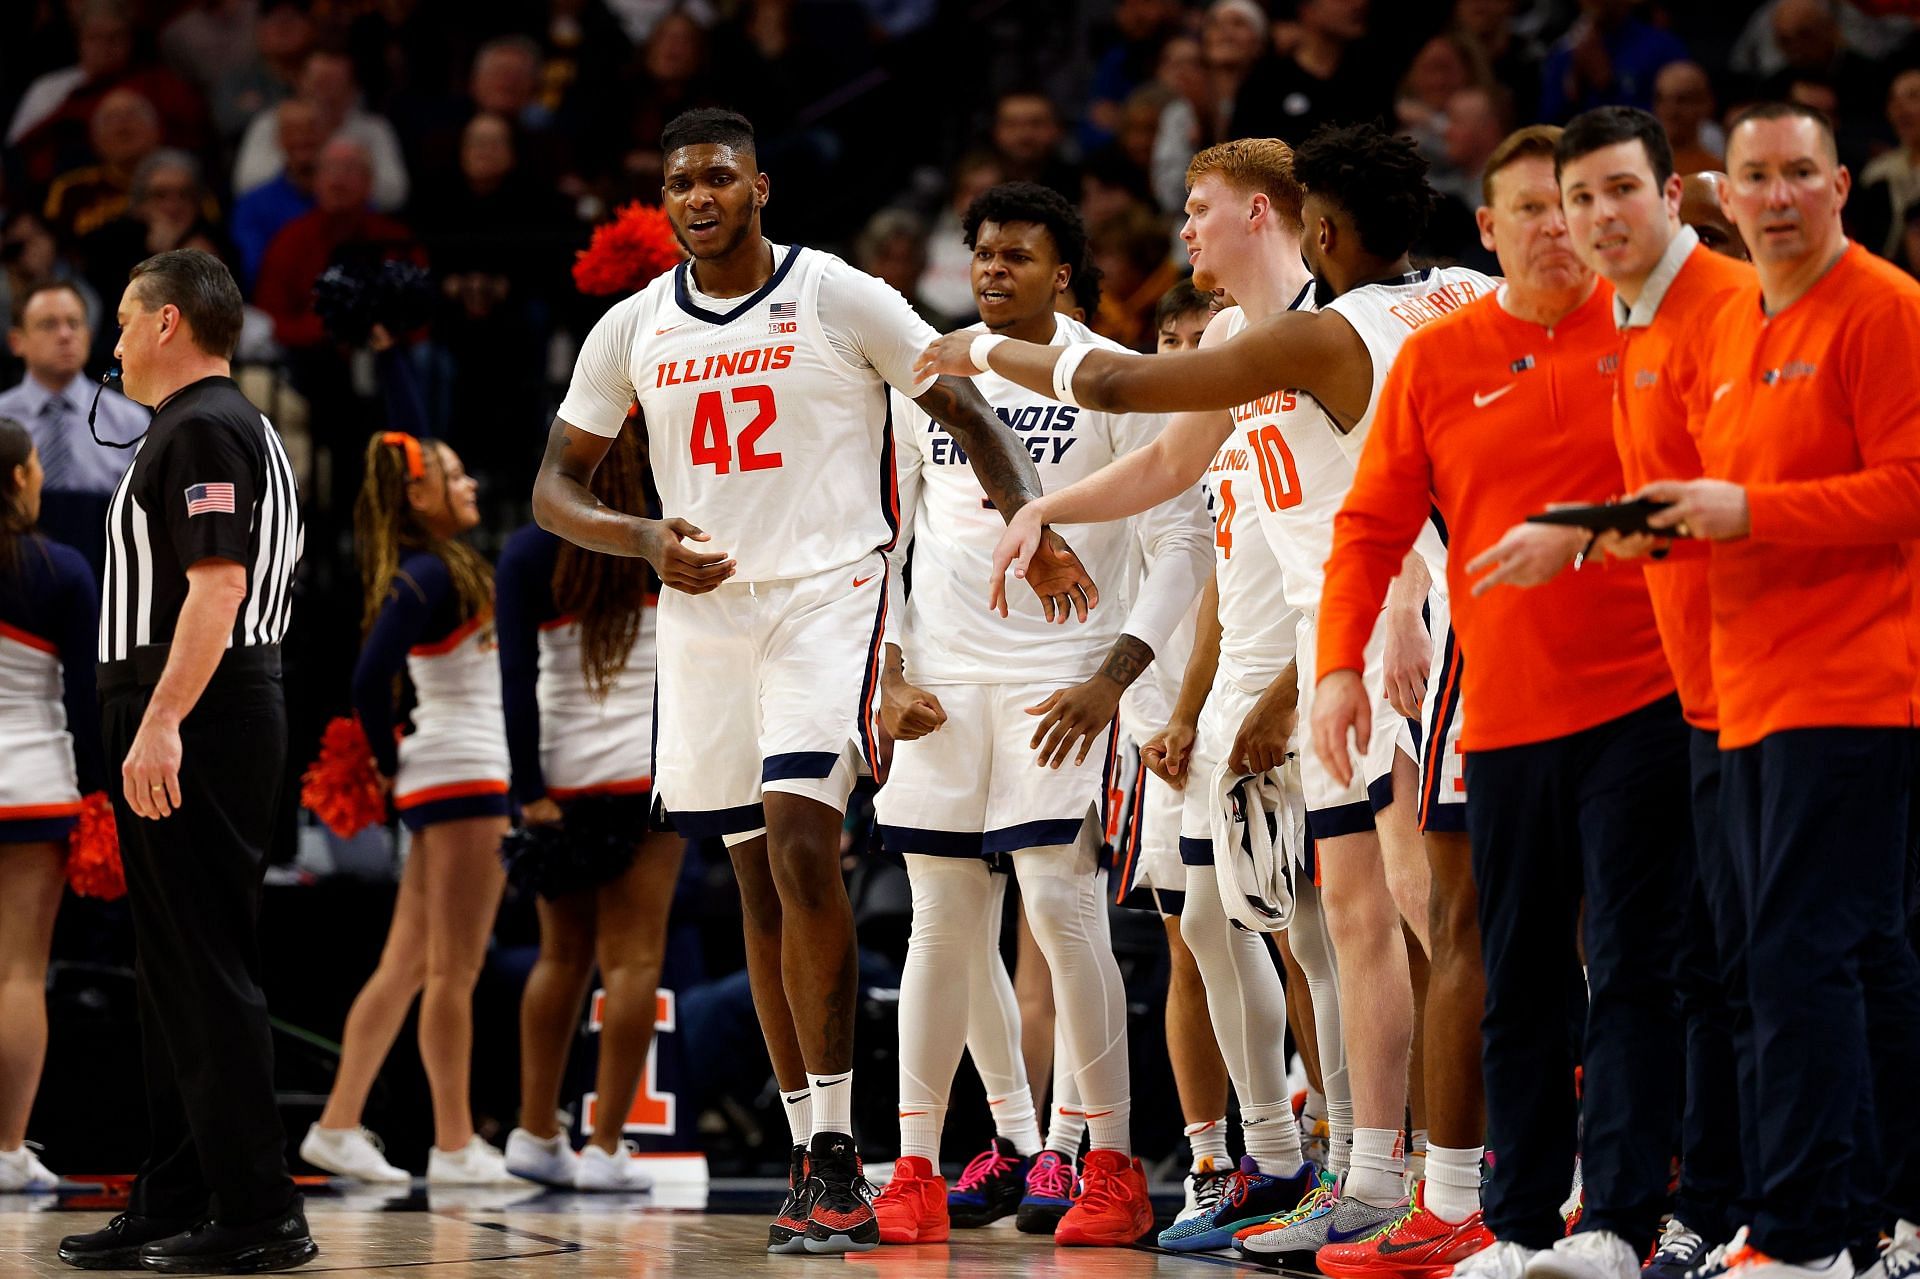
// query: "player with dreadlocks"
[[577, 662], [428, 615]]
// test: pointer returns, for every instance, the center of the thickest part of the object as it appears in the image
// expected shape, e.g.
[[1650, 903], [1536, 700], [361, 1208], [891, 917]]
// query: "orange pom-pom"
[[627, 252], [93, 852], [342, 787]]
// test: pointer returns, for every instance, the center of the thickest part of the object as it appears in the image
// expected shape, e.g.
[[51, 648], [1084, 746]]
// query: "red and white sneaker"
[[1110, 1207], [1417, 1246], [913, 1206]]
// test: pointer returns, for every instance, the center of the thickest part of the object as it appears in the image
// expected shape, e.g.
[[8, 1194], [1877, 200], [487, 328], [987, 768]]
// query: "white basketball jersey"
[[1256, 622], [766, 416], [39, 779], [589, 745], [949, 634], [1385, 315], [459, 732]]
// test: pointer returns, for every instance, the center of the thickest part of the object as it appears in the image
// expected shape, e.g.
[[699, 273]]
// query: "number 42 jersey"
[[767, 415]]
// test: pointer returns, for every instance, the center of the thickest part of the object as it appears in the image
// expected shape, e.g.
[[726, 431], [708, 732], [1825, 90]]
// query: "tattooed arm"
[[564, 505], [1006, 472], [1081, 713]]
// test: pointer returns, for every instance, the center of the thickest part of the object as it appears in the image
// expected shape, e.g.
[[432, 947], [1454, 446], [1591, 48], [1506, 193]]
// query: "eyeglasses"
[[52, 324]]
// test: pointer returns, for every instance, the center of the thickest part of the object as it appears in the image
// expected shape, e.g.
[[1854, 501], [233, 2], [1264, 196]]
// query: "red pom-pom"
[[342, 787], [625, 253], [93, 852]]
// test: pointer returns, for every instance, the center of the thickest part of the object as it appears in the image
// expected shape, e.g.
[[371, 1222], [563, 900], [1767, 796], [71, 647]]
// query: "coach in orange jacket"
[[1812, 443]]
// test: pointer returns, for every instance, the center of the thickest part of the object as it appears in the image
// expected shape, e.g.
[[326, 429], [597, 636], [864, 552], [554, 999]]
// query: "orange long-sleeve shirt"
[[1491, 418], [1816, 412], [1660, 399]]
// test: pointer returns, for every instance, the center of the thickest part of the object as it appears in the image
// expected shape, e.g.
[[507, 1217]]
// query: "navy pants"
[[1714, 1177], [1817, 820], [1601, 814]]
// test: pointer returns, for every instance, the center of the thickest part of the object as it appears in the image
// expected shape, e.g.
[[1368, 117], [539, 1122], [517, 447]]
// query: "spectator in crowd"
[[29, 255], [342, 219], [505, 82], [1488, 25], [283, 35], [501, 242], [327, 80], [1878, 35], [106, 49], [1289, 95], [1445, 65], [946, 286], [1890, 185], [125, 130], [674, 61], [1205, 77], [1607, 57], [1683, 102], [51, 335], [1030, 142], [260, 213], [168, 208], [1819, 71], [893, 246], [206, 39], [1477, 120], [1110, 184], [1131, 250], [581, 48], [1140, 29]]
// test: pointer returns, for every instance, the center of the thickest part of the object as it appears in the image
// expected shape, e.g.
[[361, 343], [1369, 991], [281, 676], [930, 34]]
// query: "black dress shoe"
[[278, 1243], [116, 1246]]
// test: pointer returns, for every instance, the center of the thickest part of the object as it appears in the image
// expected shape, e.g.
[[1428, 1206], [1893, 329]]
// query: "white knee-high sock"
[[1067, 911], [993, 1034], [952, 899], [1245, 999], [1313, 949]]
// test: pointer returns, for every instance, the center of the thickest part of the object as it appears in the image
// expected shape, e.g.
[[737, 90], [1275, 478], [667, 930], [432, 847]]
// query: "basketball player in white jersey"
[[761, 375], [1303, 386], [971, 697]]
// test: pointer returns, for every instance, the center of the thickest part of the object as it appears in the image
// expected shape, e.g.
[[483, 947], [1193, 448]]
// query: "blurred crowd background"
[[482, 140]]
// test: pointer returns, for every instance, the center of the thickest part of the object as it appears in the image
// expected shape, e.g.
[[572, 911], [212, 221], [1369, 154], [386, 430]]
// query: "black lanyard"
[[94, 412]]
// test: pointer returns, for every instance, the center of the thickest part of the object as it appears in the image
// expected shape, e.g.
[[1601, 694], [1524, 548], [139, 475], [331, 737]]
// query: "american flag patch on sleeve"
[[209, 499]]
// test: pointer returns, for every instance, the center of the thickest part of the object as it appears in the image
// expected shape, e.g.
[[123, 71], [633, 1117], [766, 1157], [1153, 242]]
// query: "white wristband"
[[981, 345], [1063, 370]]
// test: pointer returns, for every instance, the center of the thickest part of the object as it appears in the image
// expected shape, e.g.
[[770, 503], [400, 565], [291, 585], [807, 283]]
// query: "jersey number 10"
[[712, 443], [1279, 477]]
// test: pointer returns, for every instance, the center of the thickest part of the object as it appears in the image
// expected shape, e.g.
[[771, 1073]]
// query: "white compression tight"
[[953, 961], [1245, 1000], [1313, 950]]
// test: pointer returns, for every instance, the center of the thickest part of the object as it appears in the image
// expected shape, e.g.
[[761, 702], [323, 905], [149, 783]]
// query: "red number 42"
[[710, 442]]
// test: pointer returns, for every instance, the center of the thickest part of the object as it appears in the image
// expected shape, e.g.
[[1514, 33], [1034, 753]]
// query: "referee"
[[202, 536]]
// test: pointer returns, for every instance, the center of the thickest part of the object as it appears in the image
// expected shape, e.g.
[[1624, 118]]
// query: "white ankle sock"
[[1110, 1127], [799, 1108], [832, 1102], [1379, 1162], [1064, 1130], [1209, 1141], [1453, 1182], [920, 1124], [1417, 1155], [1013, 1119], [1273, 1138], [1340, 1128]]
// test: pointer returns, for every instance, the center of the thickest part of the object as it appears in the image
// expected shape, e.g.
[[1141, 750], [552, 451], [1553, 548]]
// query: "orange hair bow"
[[410, 447]]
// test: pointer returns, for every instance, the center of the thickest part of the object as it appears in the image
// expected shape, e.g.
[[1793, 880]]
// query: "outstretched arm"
[[1314, 351]]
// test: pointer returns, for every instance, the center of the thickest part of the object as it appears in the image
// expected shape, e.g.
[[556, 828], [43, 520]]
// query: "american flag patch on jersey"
[[784, 311], [209, 499]]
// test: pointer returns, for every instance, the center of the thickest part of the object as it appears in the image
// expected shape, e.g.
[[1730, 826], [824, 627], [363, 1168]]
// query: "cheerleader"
[[428, 615], [577, 661], [50, 738]]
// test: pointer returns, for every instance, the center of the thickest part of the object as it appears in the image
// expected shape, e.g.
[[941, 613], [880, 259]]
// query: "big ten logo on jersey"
[[1428, 307], [654, 1111], [1046, 430]]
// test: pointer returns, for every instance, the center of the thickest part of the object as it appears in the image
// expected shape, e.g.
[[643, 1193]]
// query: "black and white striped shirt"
[[210, 481]]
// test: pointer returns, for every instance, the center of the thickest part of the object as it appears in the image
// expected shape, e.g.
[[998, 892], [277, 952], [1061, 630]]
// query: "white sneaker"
[[21, 1170], [474, 1164], [1591, 1254], [599, 1170], [1205, 1185], [1900, 1257], [350, 1152], [1501, 1261], [549, 1161]]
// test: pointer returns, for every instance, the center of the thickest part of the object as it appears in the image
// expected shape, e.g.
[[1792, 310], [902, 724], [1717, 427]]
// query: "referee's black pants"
[[1817, 820], [193, 882], [1715, 1174], [1600, 814]]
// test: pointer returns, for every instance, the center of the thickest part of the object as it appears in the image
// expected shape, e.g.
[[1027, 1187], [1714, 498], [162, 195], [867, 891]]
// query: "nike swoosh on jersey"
[[670, 328], [859, 582], [1481, 401], [1721, 390]]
